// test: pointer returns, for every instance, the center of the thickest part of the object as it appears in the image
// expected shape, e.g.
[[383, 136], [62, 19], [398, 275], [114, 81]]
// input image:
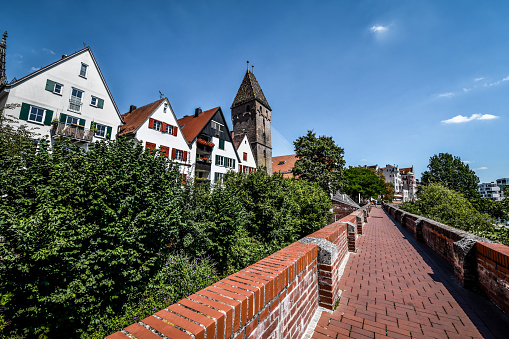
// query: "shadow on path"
[[488, 318]]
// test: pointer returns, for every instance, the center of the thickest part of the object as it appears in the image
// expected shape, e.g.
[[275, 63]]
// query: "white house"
[[68, 98], [247, 162], [393, 175], [211, 144], [157, 127]]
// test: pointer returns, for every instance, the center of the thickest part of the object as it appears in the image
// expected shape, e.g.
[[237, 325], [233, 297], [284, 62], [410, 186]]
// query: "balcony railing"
[[73, 132], [75, 104]]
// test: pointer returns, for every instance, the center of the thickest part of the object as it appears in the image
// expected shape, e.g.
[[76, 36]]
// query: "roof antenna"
[[248, 65], [84, 44], [161, 95]]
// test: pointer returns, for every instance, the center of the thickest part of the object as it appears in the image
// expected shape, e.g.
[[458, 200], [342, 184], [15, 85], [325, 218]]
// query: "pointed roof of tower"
[[250, 90]]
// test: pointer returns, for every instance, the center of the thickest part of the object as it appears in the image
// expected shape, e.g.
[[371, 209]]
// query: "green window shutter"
[[25, 109], [50, 85], [215, 176], [48, 117], [108, 132], [233, 163], [221, 144], [82, 124], [217, 158], [63, 118], [100, 103]]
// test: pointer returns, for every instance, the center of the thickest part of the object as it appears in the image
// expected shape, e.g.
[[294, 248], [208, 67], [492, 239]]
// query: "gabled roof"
[[250, 90], [133, 120], [284, 165], [192, 125], [344, 199], [62, 60]]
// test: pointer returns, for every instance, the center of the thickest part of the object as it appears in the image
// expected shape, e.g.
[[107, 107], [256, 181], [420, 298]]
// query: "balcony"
[[75, 132]]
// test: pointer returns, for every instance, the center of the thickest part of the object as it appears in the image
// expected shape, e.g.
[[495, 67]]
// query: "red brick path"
[[389, 291]]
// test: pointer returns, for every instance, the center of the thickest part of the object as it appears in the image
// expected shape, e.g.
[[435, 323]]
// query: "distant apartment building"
[[493, 190], [403, 181]]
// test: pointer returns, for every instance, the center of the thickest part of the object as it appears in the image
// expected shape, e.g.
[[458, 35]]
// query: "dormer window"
[[165, 107], [83, 70]]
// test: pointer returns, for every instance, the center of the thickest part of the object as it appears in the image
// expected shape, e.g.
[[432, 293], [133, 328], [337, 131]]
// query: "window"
[[171, 129], [70, 120], [217, 126], [219, 160], [244, 156], [179, 154], [157, 125], [83, 70], [150, 146], [218, 178], [54, 87], [96, 102], [36, 114], [75, 101], [165, 107], [100, 130], [230, 162]]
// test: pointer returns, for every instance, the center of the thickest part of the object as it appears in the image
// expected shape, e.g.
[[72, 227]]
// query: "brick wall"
[[273, 298], [477, 262], [493, 271]]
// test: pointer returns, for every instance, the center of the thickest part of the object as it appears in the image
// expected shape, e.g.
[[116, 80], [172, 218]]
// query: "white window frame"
[[165, 107], [219, 177], [179, 154], [217, 126], [55, 88], [221, 160], [169, 129], [229, 163], [30, 114], [83, 70], [76, 101], [100, 130], [157, 125], [92, 101], [70, 120]]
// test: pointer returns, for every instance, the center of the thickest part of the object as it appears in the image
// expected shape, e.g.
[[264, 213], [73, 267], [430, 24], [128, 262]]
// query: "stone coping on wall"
[[275, 297]]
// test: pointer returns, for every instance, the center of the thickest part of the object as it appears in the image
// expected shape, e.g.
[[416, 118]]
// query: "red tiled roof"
[[192, 126], [284, 164], [405, 170], [137, 117]]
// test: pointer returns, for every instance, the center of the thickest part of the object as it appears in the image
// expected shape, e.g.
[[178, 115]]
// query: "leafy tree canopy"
[[445, 205], [320, 161], [451, 172], [363, 181]]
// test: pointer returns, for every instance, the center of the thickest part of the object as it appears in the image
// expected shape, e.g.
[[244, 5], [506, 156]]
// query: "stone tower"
[[251, 115], [3, 46]]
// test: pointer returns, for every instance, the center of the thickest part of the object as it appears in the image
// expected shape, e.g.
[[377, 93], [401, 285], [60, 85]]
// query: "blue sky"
[[393, 82]]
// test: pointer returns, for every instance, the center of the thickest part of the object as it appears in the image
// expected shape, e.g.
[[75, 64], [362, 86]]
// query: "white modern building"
[[156, 126], [493, 190], [211, 144], [393, 176], [68, 98], [247, 162]]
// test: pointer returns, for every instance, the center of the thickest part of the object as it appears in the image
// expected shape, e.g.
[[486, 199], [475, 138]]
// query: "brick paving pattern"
[[389, 291]]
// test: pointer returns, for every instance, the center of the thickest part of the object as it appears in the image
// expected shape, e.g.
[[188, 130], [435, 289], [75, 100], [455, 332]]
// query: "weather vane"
[[161, 95]]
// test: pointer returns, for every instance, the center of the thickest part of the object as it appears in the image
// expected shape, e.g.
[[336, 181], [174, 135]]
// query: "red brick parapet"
[[275, 297], [477, 262]]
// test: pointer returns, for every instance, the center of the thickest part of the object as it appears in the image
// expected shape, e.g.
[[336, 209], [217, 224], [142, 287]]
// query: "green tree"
[[84, 232], [364, 181], [446, 205], [320, 161], [451, 172]]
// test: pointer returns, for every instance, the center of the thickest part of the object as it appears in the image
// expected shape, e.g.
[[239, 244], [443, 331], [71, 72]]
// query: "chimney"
[[132, 108], [197, 112]]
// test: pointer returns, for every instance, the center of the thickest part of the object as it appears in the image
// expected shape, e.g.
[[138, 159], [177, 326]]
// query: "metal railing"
[[73, 131]]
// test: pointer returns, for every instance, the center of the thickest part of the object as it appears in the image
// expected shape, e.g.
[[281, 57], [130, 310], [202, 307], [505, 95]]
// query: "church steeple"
[[251, 116], [3, 46]]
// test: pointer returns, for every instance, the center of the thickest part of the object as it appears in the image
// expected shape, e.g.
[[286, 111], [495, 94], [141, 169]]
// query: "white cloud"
[[379, 29], [446, 95], [481, 168], [467, 162], [47, 50], [33, 69], [478, 79], [465, 90], [364, 160], [460, 118]]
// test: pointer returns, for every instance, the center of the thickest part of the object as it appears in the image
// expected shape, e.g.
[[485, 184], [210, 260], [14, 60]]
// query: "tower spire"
[[3, 46]]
